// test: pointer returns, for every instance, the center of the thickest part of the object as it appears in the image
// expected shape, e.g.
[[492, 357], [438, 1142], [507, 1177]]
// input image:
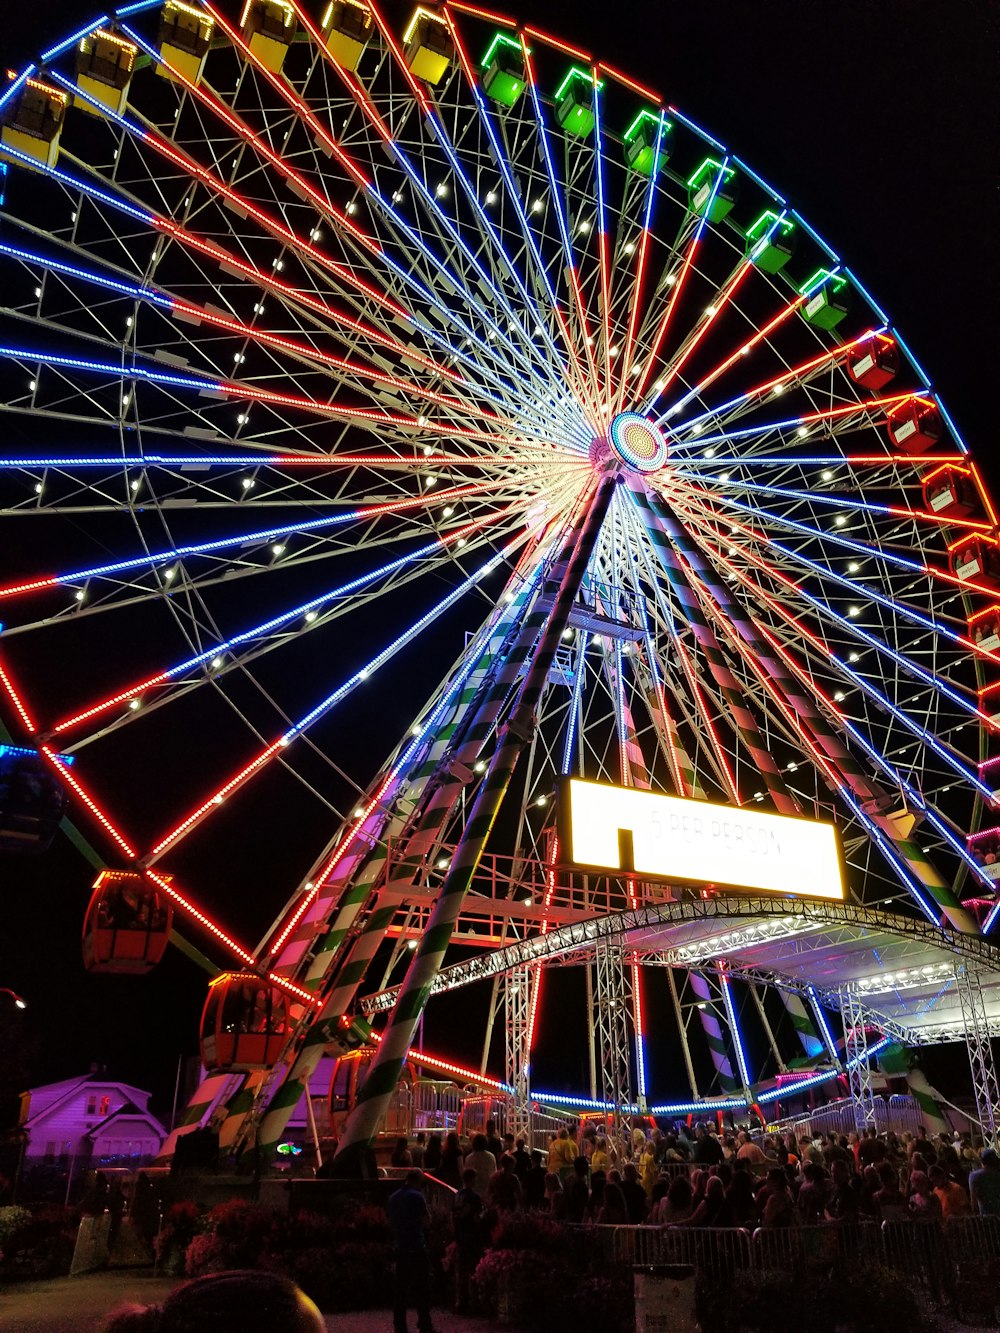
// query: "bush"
[[38, 1242]]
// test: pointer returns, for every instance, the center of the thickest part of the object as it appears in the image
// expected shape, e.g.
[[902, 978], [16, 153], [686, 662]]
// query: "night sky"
[[880, 124]]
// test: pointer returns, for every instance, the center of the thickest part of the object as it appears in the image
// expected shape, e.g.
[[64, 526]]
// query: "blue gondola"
[[32, 801]]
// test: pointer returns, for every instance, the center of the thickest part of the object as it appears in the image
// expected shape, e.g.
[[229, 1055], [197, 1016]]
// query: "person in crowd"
[[707, 1148], [483, 1162], [635, 1195], [923, 1204], [813, 1194], [504, 1193], [741, 1198], [432, 1153], [647, 1168], [598, 1181], [888, 1199], [984, 1185], [408, 1221], [241, 1301], [614, 1210], [578, 1192], [534, 1183], [466, 1214], [450, 1162], [676, 1207], [418, 1149], [871, 1149], [778, 1211], [522, 1161], [844, 1203], [555, 1199], [714, 1209], [401, 1155], [562, 1154], [952, 1196], [599, 1158], [748, 1151], [493, 1142]]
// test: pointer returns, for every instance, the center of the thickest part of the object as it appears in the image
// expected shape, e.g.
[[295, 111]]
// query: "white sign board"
[[677, 839]]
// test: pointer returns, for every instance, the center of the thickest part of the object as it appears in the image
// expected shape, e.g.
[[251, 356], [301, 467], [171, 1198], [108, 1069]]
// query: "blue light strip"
[[702, 134], [856, 282], [107, 368], [604, 256], [768, 189], [74, 183], [698, 441], [514, 198], [72, 41], [408, 279], [822, 1024], [10, 93], [695, 241], [865, 685], [153, 558], [136, 9], [827, 250], [574, 708], [734, 1028], [73, 271], [400, 641], [19, 751]]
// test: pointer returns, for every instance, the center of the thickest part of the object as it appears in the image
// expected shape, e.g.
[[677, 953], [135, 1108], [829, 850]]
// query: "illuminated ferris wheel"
[[333, 347]]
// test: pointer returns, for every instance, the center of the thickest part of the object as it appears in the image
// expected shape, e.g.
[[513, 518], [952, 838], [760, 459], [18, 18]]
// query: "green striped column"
[[712, 1028], [210, 1091], [383, 1073], [729, 686], [498, 660]]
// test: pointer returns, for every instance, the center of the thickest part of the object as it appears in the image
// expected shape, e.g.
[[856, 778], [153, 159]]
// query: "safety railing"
[[933, 1255]]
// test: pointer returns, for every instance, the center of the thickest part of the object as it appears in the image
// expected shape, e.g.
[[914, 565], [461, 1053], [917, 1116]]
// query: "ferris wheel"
[[335, 348]]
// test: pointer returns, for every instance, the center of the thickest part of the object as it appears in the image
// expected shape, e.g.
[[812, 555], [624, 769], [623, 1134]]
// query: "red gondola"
[[32, 801], [875, 363], [976, 559], [984, 629], [244, 1024], [915, 427], [951, 491], [127, 925]]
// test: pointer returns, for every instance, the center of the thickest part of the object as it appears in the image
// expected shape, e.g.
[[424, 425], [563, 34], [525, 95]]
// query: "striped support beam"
[[805, 1029], [729, 686], [932, 1111], [727, 1080], [210, 1094], [383, 1073], [803, 702], [439, 775]]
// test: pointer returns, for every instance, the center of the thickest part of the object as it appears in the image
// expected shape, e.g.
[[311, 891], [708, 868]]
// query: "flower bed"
[[36, 1242]]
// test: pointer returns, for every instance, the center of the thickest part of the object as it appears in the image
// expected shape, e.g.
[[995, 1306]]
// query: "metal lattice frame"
[[518, 991], [614, 1034], [858, 1062], [968, 982]]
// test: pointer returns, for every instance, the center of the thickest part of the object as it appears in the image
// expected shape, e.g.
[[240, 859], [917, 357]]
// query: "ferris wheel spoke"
[[819, 708], [325, 706], [953, 759], [497, 253], [675, 290], [571, 270], [522, 350], [225, 655], [635, 290], [566, 357], [865, 550]]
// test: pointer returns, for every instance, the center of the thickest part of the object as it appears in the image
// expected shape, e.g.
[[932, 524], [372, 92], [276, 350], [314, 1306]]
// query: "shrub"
[[12, 1219], [37, 1243]]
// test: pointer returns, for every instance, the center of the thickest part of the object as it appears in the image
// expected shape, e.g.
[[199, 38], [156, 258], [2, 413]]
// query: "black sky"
[[879, 122]]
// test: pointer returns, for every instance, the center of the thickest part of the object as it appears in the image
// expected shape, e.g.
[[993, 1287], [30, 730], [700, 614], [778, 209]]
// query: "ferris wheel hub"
[[635, 441]]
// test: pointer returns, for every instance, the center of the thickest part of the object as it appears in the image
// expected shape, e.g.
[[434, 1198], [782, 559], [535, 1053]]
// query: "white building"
[[93, 1119]]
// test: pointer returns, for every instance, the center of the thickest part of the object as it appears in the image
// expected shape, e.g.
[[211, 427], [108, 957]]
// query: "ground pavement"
[[77, 1304]]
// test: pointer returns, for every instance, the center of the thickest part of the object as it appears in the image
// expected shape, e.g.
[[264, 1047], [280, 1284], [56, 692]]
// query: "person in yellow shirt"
[[600, 1160]]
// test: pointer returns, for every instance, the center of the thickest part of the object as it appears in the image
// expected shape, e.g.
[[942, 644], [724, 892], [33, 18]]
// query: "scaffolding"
[[858, 1059], [969, 984]]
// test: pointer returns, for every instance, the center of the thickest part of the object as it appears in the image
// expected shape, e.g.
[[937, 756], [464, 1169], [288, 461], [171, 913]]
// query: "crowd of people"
[[700, 1176]]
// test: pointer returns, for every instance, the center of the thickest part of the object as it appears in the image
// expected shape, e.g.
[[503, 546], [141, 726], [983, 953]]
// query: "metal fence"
[[934, 1255]]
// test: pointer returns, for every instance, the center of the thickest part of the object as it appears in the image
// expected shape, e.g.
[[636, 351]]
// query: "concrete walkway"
[[77, 1304]]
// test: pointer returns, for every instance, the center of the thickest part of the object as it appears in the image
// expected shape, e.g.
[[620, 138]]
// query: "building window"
[[91, 1105]]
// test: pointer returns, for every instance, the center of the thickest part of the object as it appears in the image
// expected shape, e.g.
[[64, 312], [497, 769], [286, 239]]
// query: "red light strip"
[[19, 705], [984, 494], [327, 359], [639, 88], [219, 796], [571, 268], [796, 372], [602, 257], [71, 780], [579, 380], [486, 14], [718, 305], [575, 51], [640, 274], [372, 511], [695, 687], [639, 389], [697, 497]]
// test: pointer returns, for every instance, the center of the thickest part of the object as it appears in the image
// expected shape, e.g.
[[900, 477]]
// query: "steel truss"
[[969, 984], [858, 1062]]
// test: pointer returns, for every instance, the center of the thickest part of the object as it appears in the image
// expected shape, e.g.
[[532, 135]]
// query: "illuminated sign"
[[664, 837]]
